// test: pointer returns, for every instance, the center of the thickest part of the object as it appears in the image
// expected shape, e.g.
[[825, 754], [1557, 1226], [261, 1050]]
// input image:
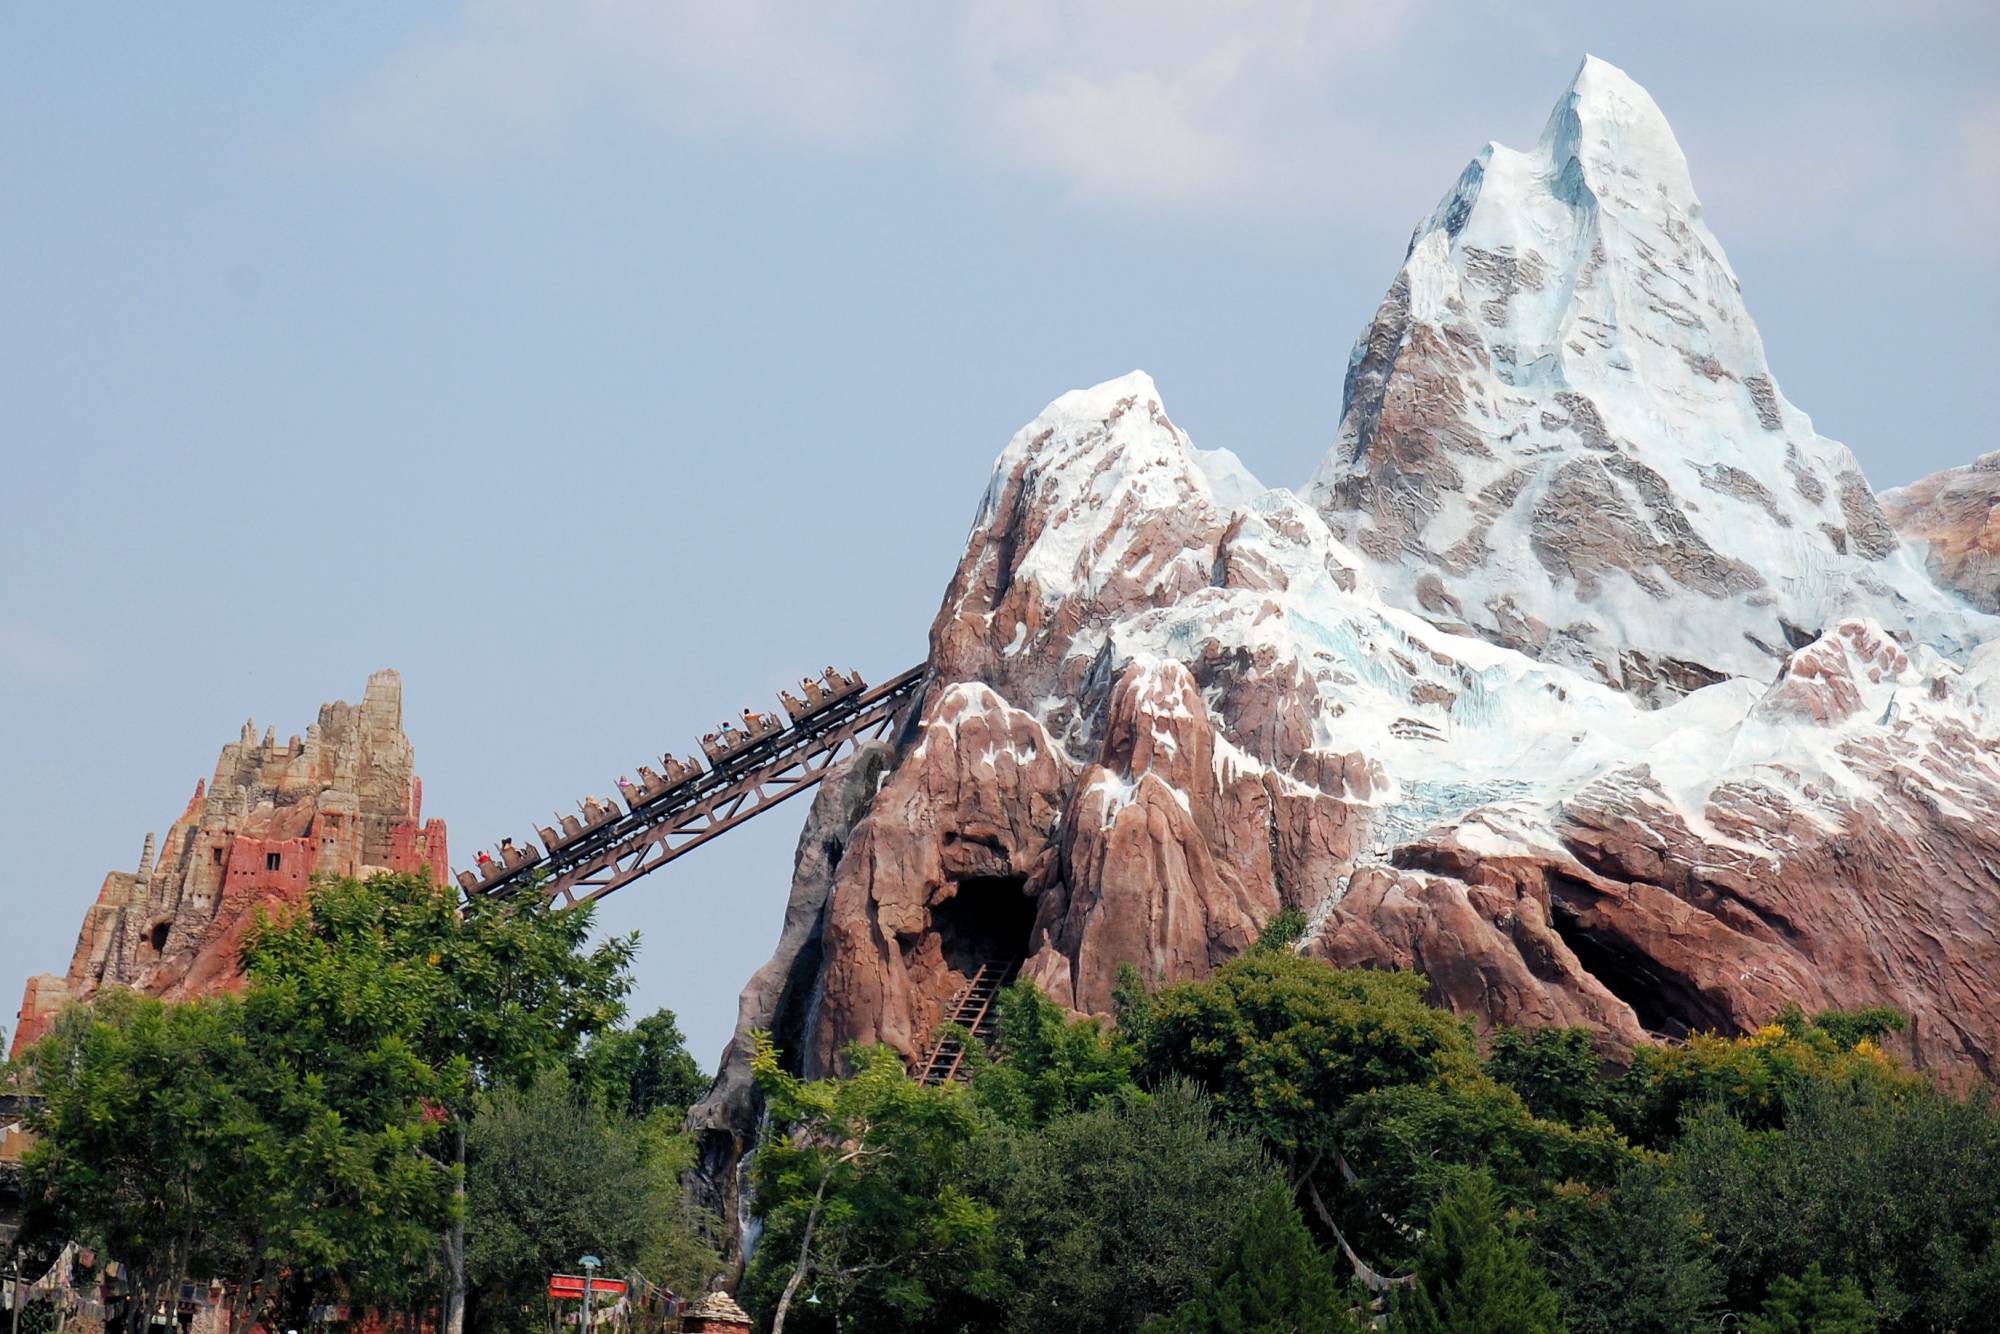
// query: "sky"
[[603, 367]]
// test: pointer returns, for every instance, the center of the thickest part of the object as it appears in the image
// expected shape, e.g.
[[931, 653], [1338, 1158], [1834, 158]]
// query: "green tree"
[[1049, 1064], [1117, 1213], [483, 999], [1894, 1184], [189, 1142], [1368, 1096], [126, 1145], [1632, 1260], [1405, 1143], [645, 1068], [1283, 1042], [1557, 1072], [552, 1175], [1271, 1280], [1850, 1028], [1812, 1303], [859, 1185], [1282, 931], [1472, 1274], [1751, 1076]]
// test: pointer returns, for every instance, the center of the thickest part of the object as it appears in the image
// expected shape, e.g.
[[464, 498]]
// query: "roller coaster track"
[[652, 833]]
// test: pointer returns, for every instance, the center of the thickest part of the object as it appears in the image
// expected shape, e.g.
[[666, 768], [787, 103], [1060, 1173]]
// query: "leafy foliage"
[[403, 1095], [206, 1138], [1472, 1274], [553, 1175], [1894, 1185], [479, 1000], [1117, 1212], [1282, 931], [1633, 1259], [1272, 1280], [1408, 1143], [861, 1196], [1371, 1098], [644, 1069], [1812, 1303], [1751, 1076], [1557, 1072], [1050, 1064], [1284, 1043]]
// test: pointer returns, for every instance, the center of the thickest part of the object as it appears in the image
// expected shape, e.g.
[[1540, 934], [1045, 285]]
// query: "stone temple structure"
[[345, 800]]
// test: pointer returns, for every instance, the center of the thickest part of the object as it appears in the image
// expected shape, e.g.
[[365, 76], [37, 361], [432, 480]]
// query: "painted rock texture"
[[1561, 433], [344, 800], [1583, 677], [1954, 518]]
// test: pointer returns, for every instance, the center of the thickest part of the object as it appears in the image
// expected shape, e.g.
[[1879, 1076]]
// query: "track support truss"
[[650, 836]]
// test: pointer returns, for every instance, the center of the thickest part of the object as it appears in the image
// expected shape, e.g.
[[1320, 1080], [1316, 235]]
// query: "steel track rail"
[[653, 834]]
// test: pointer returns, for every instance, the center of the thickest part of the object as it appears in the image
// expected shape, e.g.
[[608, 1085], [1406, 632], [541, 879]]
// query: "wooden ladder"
[[974, 1010]]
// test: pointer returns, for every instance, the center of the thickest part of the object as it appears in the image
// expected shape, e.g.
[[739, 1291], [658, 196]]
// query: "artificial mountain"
[[1584, 677]]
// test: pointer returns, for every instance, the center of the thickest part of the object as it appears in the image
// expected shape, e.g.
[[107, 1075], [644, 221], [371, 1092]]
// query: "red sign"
[[571, 1286]]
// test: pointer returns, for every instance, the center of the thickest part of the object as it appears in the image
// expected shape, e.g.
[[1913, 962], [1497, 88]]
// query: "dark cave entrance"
[[989, 919], [1664, 1001]]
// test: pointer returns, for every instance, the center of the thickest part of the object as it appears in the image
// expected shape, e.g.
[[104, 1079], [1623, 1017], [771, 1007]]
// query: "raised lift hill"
[[752, 765]]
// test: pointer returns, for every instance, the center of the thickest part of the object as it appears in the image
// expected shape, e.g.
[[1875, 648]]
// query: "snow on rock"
[[970, 811], [1954, 518], [1560, 429], [1586, 678]]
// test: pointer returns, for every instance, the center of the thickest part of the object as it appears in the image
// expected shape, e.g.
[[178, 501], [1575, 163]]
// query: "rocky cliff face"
[[1953, 517], [345, 800], [1584, 677]]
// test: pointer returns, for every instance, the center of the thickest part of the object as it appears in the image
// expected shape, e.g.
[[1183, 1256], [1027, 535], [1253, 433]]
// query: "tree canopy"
[[426, 1112]]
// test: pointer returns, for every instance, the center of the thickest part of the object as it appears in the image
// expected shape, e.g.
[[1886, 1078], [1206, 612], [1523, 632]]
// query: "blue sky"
[[603, 367]]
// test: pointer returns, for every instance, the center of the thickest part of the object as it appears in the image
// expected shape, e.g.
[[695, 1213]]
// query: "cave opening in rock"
[[988, 920], [1664, 1002]]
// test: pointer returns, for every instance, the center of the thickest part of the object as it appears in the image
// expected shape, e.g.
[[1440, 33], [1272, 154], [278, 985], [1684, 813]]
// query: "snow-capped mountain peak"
[[1560, 430], [1606, 131]]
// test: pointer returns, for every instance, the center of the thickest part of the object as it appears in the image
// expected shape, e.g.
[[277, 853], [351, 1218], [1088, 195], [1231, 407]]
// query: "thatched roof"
[[716, 1305]]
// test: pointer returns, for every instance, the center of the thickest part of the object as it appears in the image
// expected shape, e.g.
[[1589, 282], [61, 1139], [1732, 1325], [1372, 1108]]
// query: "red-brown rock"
[[1955, 516], [345, 800]]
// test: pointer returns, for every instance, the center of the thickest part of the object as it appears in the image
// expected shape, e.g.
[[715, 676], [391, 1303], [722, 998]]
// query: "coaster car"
[[840, 687], [830, 689], [653, 785], [509, 859], [729, 739], [566, 830]]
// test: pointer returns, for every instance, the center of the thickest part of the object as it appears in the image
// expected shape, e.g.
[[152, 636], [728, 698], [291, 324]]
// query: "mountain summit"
[[1561, 433], [1587, 680]]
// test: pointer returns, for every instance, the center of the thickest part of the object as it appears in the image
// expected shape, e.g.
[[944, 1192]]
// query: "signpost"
[[570, 1287], [590, 1264]]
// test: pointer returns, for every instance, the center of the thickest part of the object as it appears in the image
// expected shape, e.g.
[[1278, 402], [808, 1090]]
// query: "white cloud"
[[1212, 107], [1174, 102], [1306, 114], [501, 71]]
